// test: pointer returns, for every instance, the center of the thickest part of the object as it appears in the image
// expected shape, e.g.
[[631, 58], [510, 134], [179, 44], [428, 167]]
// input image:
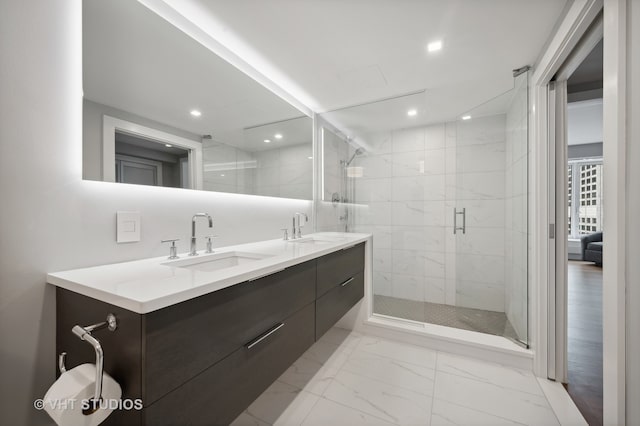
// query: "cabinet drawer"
[[333, 305], [183, 340], [223, 391], [335, 268]]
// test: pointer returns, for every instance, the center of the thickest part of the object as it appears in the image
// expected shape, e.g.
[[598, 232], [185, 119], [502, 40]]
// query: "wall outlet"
[[127, 227]]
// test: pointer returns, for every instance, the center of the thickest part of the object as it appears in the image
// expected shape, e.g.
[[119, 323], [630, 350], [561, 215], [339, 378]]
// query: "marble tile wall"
[[282, 172], [285, 172], [412, 180], [221, 173], [476, 182]]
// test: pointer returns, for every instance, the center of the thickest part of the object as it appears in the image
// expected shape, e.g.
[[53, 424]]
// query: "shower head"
[[357, 152]]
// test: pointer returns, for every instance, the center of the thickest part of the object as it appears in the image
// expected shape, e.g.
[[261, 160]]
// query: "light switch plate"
[[127, 227]]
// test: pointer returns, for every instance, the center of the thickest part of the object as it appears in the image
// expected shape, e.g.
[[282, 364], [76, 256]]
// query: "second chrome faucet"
[[193, 251], [297, 233]]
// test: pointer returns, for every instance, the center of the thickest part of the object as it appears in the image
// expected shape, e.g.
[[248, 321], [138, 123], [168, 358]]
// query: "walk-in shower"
[[444, 193]]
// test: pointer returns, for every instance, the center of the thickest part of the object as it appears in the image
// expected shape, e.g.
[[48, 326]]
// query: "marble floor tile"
[[391, 403], [399, 351], [314, 370], [444, 413], [392, 372], [280, 404], [487, 372], [346, 340], [246, 419], [493, 399], [349, 379], [329, 413]]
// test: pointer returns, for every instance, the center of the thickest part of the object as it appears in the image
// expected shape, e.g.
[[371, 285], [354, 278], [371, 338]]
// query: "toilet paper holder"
[[84, 333]]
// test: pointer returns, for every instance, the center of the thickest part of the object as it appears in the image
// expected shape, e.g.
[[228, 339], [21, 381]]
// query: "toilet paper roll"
[[63, 401]]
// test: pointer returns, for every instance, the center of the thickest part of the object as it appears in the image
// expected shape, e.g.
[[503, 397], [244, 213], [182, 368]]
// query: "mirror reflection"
[[161, 109], [147, 162]]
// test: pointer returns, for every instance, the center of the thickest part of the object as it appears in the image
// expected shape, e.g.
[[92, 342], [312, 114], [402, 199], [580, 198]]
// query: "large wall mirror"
[[161, 109]]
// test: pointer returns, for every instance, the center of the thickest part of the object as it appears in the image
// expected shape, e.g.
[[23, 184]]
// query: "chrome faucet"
[[298, 216], [193, 231]]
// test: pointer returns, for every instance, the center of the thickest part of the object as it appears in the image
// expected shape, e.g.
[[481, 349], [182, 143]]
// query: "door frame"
[[111, 124], [578, 18]]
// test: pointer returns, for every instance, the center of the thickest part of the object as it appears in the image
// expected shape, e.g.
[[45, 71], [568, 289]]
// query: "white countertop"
[[147, 285]]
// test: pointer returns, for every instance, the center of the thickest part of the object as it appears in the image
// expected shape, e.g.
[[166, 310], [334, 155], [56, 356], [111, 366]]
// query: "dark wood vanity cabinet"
[[339, 286], [204, 360], [183, 340]]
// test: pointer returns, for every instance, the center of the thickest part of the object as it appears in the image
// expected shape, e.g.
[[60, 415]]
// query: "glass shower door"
[[487, 209]]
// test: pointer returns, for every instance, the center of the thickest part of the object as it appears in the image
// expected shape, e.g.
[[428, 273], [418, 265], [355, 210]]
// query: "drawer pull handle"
[[346, 282], [268, 333], [266, 275]]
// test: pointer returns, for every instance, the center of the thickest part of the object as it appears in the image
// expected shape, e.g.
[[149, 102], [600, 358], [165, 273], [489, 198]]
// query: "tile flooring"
[[479, 320], [351, 379]]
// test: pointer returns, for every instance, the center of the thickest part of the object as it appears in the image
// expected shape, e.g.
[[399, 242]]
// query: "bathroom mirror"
[[161, 109]]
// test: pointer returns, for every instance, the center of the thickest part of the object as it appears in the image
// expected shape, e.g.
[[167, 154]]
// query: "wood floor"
[[584, 339]]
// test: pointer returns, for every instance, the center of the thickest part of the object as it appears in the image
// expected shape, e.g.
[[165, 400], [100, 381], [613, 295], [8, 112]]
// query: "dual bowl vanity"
[[198, 338]]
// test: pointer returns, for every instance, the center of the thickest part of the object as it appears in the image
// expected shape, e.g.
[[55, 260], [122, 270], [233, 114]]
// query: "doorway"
[[579, 216]]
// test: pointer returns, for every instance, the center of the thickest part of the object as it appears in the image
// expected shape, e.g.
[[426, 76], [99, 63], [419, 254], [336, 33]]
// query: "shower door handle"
[[457, 228]]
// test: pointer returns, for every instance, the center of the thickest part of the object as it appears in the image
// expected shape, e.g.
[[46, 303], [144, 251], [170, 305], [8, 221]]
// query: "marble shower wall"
[[227, 169], [476, 181], [412, 180], [285, 172]]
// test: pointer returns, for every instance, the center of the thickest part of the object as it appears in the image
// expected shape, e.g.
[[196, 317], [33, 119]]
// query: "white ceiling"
[[337, 53]]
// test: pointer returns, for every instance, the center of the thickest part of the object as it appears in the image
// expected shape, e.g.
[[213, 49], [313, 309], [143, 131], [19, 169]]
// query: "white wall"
[[633, 207], [50, 219]]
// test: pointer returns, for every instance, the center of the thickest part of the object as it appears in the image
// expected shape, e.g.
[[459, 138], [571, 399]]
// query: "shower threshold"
[[478, 320]]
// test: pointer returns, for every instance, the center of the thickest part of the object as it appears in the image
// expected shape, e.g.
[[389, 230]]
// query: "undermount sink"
[[216, 261], [318, 240]]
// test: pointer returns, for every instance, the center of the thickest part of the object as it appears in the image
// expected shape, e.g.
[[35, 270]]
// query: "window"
[[585, 198]]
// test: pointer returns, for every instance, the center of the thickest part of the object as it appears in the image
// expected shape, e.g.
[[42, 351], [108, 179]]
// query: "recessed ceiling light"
[[466, 117], [222, 174], [168, 145], [310, 158], [267, 141], [195, 113], [434, 46], [412, 112], [278, 136]]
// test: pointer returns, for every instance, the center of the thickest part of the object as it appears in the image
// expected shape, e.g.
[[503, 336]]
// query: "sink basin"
[[216, 261], [317, 240]]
